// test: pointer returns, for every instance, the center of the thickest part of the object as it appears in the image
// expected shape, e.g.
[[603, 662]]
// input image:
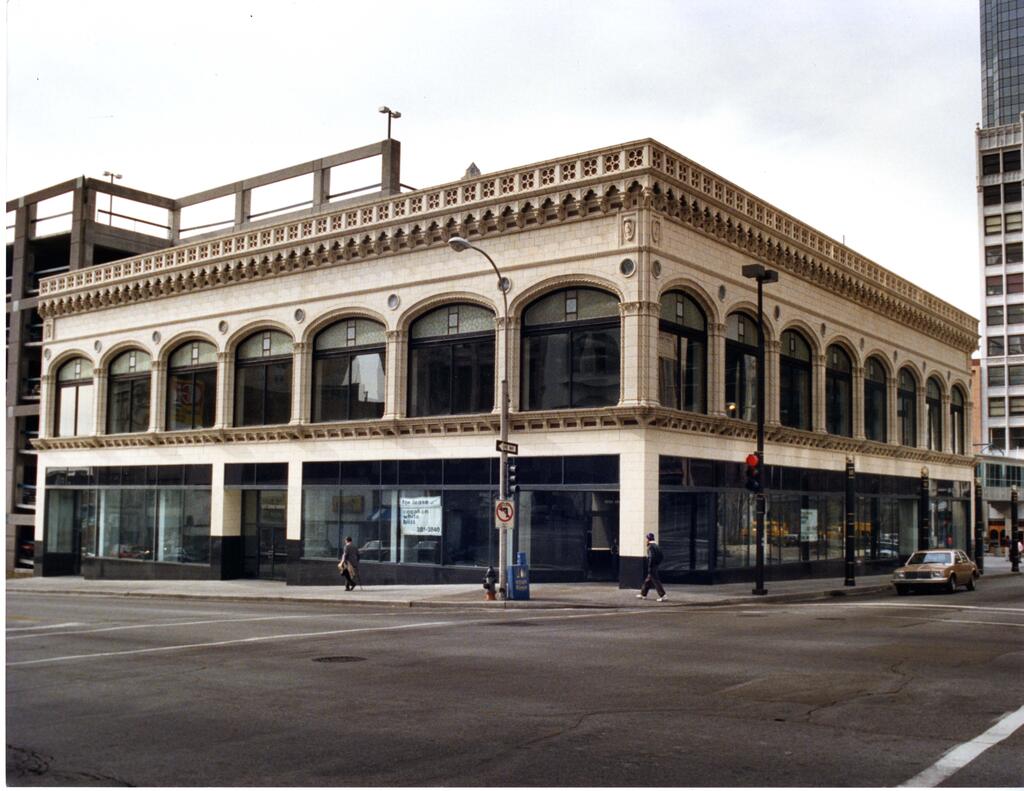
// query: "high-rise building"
[[1001, 253]]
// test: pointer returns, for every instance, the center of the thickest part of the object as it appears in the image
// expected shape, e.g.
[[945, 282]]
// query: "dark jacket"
[[350, 556], [654, 555]]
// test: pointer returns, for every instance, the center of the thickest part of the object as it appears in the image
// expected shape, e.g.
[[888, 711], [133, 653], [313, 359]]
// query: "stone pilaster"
[[158, 396], [716, 369], [947, 425], [99, 404], [772, 352], [922, 417], [857, 402], [395, 380], [893, 427], [818, 422], [225, 408], [639, 353], [301, 382], [47, 396]]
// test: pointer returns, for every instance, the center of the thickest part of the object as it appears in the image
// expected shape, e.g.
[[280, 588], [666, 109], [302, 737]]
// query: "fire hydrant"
[[489, 579]]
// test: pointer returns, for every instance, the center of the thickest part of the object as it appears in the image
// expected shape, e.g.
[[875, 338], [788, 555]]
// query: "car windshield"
[[929, 557]]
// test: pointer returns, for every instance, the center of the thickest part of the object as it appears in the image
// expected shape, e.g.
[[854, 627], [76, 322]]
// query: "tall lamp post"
[[390, 114], [110, 206], [1014, 531], [458, 244], [761, 275]]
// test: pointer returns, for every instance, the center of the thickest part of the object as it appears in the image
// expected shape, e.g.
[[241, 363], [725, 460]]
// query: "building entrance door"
[[602, 536], [264, 545]]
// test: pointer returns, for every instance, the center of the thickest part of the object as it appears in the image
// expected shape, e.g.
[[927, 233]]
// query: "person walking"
[[652, 580], [349, 564]]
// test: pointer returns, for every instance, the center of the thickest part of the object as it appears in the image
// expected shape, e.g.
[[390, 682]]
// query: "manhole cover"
[[340, 659]]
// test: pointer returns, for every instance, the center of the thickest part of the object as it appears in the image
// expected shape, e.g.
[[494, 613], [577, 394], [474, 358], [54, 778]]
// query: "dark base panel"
[[822, 569], [226, 557], [53, 564], [631, 571], [325, 572], [114, 569]]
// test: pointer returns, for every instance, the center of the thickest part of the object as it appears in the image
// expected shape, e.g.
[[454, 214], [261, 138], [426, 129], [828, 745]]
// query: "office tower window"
[[191, 386], [875, 397], [993, 224], [1015, 344], [993, 285], [997, 375], [1011, 192], [994, 315], [997, 438], [1014, 222], [997, 407], [1015, 283], [989, 164], [993, 255], [1011, 161], [348, 371], [263, 379], [1017, 405], [996, 346], [1016, 437], [128, 393], [451, 361], [1015, 313], [1015, 253], [1016, 374], [838, 392], [991, 195]]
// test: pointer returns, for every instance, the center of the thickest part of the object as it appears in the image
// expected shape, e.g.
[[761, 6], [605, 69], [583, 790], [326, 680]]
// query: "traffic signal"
[[754, 473], [513, 487]]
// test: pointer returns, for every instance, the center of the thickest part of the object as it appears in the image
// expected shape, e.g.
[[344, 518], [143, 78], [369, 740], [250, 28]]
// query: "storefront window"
[[348, 371], [682, 354], [451, 361], [570, 356], [128, 393]]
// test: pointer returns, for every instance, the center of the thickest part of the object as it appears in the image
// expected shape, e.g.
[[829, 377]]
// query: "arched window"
[[682, 354], [838, 392], [570, 355], [956, 420], [263, 379], [876, 416], [795, 381], [906, 407], [74, 398], [451, 361], [348, 371], [128, 393], [741, 366], [192, 386], [933, 402]]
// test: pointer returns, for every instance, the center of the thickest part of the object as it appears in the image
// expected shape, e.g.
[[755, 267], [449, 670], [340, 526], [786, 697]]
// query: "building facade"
[[237, 405]]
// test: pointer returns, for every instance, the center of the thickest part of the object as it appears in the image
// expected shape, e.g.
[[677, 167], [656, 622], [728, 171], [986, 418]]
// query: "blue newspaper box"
[[519, 578]]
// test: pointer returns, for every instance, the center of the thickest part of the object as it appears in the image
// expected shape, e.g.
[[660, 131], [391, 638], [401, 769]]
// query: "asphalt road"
[[869, 691]]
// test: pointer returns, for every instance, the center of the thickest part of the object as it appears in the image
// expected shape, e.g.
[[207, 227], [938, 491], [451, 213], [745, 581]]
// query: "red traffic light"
[[753, 460]]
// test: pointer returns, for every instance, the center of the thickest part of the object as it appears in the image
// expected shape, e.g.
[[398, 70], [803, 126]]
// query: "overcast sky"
[[855, 116]]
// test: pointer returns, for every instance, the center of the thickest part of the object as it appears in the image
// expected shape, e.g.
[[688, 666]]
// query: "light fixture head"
[[388, 111], [383, 109], [458, 244]]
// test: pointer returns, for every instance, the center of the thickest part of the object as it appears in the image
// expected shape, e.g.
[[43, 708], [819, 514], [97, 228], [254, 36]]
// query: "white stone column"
[[99, 402], [857, 401], [922, 418], [394, 382], [294, 515], [716, 369], [512, 328], [772, 352], [947, 425], [818, 422], [638, 353], [893, 429], [301, 382], [225, 390], [638, 492], [157, 393], [47, 396]]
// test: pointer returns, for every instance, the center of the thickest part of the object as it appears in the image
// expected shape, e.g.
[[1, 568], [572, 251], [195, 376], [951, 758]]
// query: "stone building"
[[237, 404]]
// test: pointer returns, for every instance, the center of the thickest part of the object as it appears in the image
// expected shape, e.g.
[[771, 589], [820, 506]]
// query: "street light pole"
[[458, 244], [110, 205], [1014, 532], [762, 276], [390, 114]]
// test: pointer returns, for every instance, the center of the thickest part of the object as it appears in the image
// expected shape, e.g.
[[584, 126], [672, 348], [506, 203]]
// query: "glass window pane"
[[350, 332], [130, 362], [430, 378], [472, 384], [67, 404], [468, 528], [193, 353], [595, 368], [119, 406], [266, 343], [249, 390], [279, 393], [545, 371], [84, 422], [669, 371]]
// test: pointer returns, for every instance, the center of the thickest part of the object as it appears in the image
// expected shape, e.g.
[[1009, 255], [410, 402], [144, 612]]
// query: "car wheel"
[[902, 590], [952, 583], [970, 583]]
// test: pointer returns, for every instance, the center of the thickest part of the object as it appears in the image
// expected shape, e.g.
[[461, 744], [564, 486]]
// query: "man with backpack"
[[654, 558]]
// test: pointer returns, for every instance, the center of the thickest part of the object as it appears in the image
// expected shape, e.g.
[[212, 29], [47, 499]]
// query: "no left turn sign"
[[504, 513]]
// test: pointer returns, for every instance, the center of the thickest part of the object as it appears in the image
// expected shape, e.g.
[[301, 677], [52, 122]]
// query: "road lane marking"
[[36, 628], [920, 619], [330, 633], [908, 605], [958, 757]]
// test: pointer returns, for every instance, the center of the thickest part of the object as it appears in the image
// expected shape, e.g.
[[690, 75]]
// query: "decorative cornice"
[[521, 423], [629, 176]]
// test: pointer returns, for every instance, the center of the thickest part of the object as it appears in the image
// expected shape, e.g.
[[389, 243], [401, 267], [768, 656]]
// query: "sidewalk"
[[599, 595]]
